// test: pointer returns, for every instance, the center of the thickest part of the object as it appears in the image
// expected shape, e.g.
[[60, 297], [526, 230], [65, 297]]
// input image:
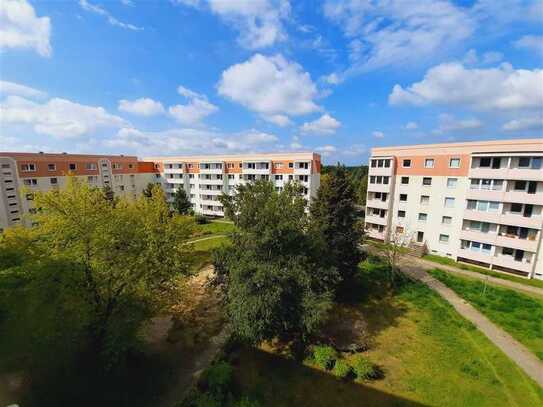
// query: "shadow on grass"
[[276, 381]]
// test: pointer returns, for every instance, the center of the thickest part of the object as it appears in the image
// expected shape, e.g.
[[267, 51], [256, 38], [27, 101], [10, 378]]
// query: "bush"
[[363, 368], [218, 378], [201, 219], [324, 356], [342, 369], [246, 402]]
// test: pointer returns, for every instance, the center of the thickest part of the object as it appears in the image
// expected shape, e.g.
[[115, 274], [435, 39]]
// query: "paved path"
[[526, 289], [517, 352], [204, 238]]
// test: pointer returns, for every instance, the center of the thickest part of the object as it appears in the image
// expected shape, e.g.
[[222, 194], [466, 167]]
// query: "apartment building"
[[22, 174], [475, 202], [205, 178]]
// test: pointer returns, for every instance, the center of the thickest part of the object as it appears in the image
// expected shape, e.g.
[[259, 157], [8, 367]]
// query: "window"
[[130, 166], [424, 200], [516, 207], [5, 166], [429, 163], [92, 179], [401, 214], [485, 184], [520, 185], [423, 217], [385, 180], [372, 179], [290, 165], [484, 162], [536, 163], [380, 163], [28, 167], [278, 165], [427, 181], [444, 239], [30, 181], [524, 162], [406, 163], [387, 163], [403, 197], [449, 202], [493, 206], [475, 246], [496, 162], [454, 163], [451, 182], [51, 167], [497, 184], [486, 248], [405, 180], [72, 166], [92, 166], [53, 181], [231, 176], [446, 220], [373, 163], [507, 251]]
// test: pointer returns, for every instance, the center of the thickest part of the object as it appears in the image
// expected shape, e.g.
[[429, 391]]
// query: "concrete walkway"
[[517, 352], [430, 265]]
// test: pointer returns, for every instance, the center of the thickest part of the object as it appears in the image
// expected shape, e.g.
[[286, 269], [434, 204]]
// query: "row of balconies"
[[494, 258]]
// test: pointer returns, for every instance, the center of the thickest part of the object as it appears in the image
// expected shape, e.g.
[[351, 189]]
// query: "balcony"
[[525, 174], [508, 218], [216, 211], [478, 236], [475, 256], [382, 171], [485, 195], [377, 203], [260, 168], [375, 234], [302, 171], [211, 202], [510, 262], [210, 191], [212, 181], [214, 168], [523, 197], [378, 220], [379, 187], [529, 245], [173, 170]]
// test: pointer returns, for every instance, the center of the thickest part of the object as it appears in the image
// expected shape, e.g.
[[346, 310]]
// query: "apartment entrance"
[[420, 237]]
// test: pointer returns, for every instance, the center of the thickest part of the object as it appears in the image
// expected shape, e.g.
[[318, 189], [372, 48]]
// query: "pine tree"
[[181, 202], [334, 223]]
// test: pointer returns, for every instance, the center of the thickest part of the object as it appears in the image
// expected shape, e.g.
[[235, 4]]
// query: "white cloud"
[[270, 86], [141, 106], [332, 79], [197, 108], [12, 88], [259, 22], [278, 119], [21, 28], [296, 144], [59, 118], [378, 134], [532, 43], [191, 141], [491, 57], [325, 124], [448, 124], [327, 150], [411, 126], [127, 2], [523, 124], [92, 8], [397, 32], [501, 88]]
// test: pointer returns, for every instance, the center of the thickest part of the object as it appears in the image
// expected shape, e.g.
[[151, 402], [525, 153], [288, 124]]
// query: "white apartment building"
[[205, 178], [475, 202], [23, 174]]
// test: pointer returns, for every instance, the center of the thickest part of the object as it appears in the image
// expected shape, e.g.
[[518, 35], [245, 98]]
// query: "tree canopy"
[[274, 284], [181, 202]]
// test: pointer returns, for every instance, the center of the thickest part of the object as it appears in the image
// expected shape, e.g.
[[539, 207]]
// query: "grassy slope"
[[429, 355], [518, 314], [468, 267], [203, 249]]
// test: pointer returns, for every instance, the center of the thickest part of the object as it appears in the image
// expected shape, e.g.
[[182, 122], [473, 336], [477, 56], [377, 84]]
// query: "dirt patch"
[[346, 330]]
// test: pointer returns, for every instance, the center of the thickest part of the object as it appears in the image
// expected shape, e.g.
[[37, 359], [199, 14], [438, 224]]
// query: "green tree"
[[181, 202], [274, 284], [335, 225], [118, 261], [148, 190], [362, 190]]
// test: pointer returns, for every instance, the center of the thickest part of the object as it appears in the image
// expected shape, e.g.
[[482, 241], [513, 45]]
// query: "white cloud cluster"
[[12, 88], [92, 8], [524, 124], [197, 108], [142, 106], [21, 28], [449, 124], [56, 117], [411, 126], [501, 88], [533, 43], [389, 32], [259, 22], [378, 134], [270, 86], [190, 141], [325, 124]]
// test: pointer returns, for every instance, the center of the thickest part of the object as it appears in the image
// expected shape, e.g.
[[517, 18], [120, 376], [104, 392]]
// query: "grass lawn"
[[213, 228], [518, 314], [428, 353], [468, 267], [203, 249]]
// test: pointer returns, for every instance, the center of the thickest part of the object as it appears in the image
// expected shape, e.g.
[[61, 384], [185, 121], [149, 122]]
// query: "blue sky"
[[228, 76]]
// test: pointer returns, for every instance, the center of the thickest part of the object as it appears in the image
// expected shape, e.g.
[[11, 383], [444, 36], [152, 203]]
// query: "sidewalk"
[[430, 265], [517, 352]]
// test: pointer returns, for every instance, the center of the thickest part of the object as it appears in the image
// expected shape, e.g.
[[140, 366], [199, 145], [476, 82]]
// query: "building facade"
[[476, 202], [205, 178], [23, 174]]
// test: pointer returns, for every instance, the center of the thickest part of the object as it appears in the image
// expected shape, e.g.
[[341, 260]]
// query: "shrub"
[[324, 356], [342, 369], [363, 368], [246, 402], [201, 219], [218, 378]]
